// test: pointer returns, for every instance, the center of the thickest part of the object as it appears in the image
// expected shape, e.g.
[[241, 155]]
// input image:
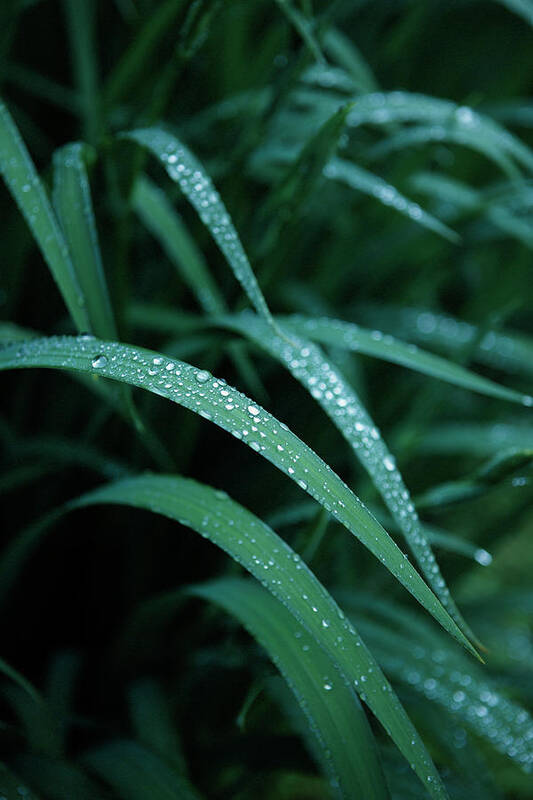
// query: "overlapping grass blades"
[[153, 207], [344, 744], [30, 195], [328, 387], [248, 540], [228, 408], [345, 335], [413, 655], [364, 181], [441, 119], [184, 168], [72, 202], [507, 350]]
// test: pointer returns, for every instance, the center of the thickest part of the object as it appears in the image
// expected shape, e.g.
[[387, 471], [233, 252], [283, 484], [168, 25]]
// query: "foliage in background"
[[309, 226]]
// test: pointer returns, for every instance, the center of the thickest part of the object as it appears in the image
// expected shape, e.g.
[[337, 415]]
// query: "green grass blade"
[[346, 747], [328, 387], [364, 181], [72, 202], [407, 652], [439, 118], [346, 335], [137, 774], [479, 439], [254, 545], [184, 168], [344, 52], [126, 72], [304, 28], [524, 8], [163, 221], [153, 724], [505, 350], [231, 410], [19, 679], [81, 24], [25, 185]]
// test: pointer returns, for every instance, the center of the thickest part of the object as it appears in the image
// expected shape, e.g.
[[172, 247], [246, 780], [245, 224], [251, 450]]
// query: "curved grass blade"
[[28, 192], [425, 134], [343, 51], [328, 387], [231, 410], [126, 72], [136, 774], [364, 181], [72, 202], [345, 744], [346, 335], [156, 212], [472, 129], [407, 652], [506, 350], [524, 8], [304, 27], [184, 168], [476, 438], [266, 556], [19, 679]]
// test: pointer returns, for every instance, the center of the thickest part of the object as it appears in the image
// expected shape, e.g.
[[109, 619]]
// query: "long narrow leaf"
[[228, 408], [25, 185], [184, 168], [72, 201], [346, 746], [252, 543]]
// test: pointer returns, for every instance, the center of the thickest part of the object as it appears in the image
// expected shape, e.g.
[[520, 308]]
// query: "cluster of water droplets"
[[364, 181], [324, 382], [437, 675], [184, 168]]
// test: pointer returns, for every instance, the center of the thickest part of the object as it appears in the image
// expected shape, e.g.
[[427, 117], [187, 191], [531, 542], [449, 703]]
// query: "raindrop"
[[99, 361]]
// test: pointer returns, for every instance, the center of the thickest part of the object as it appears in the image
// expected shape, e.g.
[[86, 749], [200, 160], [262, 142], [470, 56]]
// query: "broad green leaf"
[[38, 721], [346, 335], [228, 408], [254, 545], [28, 191], [137, 774], [164, 222], [329, 388], [153, 724], [72, 202], [184, 168], [364, 181], [345, 743]]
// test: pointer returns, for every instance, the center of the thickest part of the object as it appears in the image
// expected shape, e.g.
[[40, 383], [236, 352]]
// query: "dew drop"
[[99, 361], [201, 376]]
